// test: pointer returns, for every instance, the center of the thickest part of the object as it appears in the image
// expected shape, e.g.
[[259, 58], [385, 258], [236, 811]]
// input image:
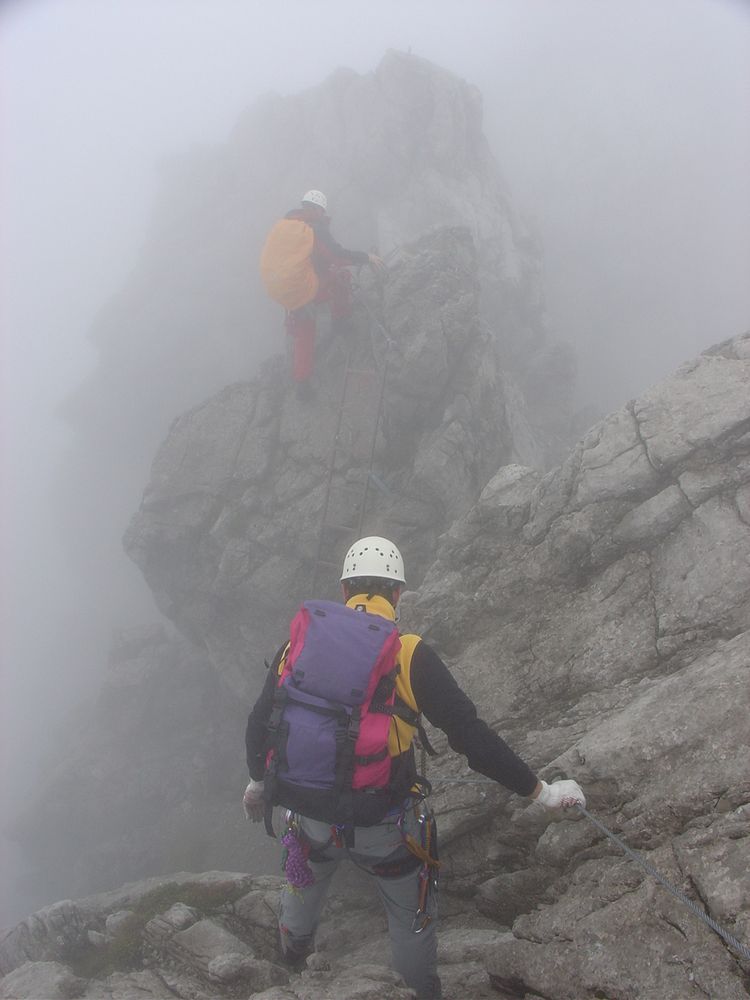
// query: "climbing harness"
[[732, 941], [423, 854]]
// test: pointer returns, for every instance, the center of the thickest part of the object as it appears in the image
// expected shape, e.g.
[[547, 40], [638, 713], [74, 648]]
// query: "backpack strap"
[[402, 711], [399, 709], [346, 740], [276, 740], [423, 739]]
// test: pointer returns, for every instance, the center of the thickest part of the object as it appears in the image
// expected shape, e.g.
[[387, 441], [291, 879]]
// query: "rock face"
[[228, 529], [193, 936], [226, 538], [474, 383], [410, 155], [599, 615], [399, 152]]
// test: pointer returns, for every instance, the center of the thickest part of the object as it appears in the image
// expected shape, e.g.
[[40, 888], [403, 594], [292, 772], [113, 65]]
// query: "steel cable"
[[732, 941], [677, 893]]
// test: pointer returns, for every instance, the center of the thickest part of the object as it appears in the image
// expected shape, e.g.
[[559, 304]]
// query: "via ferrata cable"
[[732, 941]]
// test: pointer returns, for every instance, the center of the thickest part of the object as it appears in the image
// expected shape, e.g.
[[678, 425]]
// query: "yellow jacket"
[[401, 734]]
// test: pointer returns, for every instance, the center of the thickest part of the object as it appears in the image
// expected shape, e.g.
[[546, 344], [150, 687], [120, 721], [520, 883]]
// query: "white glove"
[[253, 801], [561, 794]]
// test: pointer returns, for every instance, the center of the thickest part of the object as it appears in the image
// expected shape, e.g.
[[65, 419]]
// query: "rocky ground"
[[599, 616], [214, 934]]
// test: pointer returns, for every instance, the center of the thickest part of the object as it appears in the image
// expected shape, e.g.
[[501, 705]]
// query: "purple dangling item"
[[297, 870]]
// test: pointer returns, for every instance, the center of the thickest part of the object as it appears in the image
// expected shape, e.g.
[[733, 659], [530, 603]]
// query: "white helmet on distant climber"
[[316, 198], [374, 556]]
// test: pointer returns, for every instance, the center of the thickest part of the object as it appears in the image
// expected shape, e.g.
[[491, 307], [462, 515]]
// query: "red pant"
[[335, 288]]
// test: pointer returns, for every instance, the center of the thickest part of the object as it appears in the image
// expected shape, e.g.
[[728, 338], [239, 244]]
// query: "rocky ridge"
[[399, 151], [228, 528], [409, 155], [226, 536], [599, 615]]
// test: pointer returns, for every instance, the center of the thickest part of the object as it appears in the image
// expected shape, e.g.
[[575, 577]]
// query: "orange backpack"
[[285, 264]]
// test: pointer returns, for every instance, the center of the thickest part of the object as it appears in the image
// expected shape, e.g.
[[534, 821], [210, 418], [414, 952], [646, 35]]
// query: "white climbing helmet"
[[316, 198], [374, 556]]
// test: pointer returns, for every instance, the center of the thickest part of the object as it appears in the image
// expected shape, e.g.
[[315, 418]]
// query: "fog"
[[621, 127]]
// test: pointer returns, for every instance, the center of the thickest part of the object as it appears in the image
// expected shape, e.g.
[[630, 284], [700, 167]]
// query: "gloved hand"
[[253, 801], [376, 263], [561, 794]]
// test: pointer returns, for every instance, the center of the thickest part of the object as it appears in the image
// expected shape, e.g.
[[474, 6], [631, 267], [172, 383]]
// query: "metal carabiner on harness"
[[428, 873], [422, 918]]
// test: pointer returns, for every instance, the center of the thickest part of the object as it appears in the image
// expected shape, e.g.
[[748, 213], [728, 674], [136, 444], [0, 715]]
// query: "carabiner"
[[422, 919]]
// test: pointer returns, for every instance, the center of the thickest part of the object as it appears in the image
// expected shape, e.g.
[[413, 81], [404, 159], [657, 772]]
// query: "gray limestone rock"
[[192, 315], [618, 635], [598, 615], [41, 981], [206, 940], [706, 403], [142, 985], [231, 513], [117, 920], [503, 897], [46, 936], [614, 933], [219, 537], [363, 982]]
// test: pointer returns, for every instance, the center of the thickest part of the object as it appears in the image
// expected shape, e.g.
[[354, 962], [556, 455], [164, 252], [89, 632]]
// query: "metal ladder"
[[345, 502]]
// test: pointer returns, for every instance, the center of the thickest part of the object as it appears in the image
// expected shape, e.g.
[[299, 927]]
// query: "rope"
[[732, 941]]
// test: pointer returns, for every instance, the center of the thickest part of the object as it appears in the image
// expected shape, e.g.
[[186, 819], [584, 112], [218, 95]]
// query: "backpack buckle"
[[352, 731]]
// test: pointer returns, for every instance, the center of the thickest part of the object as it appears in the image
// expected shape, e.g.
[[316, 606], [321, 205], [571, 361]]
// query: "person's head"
[[373, 565], [315, 201]]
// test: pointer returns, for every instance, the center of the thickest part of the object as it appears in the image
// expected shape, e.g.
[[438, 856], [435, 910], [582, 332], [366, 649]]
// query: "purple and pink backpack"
[[328, 754]]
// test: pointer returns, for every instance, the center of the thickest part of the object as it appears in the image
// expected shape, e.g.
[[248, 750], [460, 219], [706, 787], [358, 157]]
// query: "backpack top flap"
[[338, 653]]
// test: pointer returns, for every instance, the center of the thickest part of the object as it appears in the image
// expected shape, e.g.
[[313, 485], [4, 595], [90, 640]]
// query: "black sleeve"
[[257, 722], [446, 706], [329, 249]]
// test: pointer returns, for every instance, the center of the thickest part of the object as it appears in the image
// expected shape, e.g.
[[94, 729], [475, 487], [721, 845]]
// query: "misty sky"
[[621, 127]]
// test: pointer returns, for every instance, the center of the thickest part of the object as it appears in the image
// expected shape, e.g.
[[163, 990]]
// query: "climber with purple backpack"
[[331, 739]]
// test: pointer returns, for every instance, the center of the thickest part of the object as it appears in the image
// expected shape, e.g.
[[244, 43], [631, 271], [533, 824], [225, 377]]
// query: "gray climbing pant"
[[376, 849]]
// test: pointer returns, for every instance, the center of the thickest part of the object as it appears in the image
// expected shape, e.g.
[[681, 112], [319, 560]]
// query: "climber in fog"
[[331, 738], [302, 266]]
